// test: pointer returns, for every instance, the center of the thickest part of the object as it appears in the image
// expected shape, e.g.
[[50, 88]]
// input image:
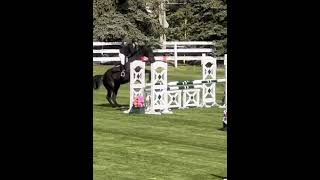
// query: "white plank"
[[106, 59], [221, 80], [106, 51], [166, 43], [180, 58], [189, 43], [106, 43], [193, 50], [189, 50], [202, 50], [157, 58]]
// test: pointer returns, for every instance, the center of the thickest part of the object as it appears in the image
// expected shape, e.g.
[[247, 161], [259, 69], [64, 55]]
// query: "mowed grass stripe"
[[185, 145], [165, 153]]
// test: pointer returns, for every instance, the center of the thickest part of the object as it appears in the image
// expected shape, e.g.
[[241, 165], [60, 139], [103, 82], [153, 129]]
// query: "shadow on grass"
[[103, 105], [123, 107], [214, 175], [222, 129]]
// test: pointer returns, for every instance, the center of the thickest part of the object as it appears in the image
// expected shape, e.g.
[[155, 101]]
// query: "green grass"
[[184, 145]]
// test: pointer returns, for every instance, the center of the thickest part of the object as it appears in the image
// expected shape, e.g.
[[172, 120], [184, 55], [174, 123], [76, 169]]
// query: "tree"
[[197, 20], [115, 20], [200, 20]]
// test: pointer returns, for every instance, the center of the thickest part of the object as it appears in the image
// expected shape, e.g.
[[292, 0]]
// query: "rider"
[[132, 45], [123, 58]]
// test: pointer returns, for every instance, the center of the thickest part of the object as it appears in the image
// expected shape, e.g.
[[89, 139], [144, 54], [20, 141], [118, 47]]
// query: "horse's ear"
[[149, 50]]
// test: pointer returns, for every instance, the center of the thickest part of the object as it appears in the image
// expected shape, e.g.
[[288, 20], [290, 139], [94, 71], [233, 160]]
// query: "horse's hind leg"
[[109, 98], [109, 85], [115, 93]]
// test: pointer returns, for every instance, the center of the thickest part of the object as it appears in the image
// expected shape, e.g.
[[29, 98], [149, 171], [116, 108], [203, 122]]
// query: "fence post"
[[225, 74], [175, 55], [203, 55]]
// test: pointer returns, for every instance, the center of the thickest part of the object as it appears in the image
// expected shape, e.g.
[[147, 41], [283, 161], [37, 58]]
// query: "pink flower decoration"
[[139, 102]]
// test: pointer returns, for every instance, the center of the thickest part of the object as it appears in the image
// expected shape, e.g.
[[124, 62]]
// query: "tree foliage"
[[200, 20], [197, 20], [113, 21]]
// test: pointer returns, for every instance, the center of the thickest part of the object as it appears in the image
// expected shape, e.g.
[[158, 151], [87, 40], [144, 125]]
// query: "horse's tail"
[[97, 81]]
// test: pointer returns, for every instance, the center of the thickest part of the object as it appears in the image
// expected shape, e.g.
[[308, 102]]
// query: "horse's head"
[[134, 51], [147, 54]]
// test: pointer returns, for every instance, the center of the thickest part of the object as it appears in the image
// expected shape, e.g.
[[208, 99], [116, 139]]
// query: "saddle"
[[117, 68]]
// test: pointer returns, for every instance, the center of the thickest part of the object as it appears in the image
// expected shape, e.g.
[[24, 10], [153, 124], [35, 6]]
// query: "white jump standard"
[[158, 96], [161, 95], [137, 81], [191, 93]]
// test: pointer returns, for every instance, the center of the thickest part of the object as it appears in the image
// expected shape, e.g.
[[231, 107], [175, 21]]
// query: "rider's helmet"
[[146, 42], [135, 43], [125, 41]]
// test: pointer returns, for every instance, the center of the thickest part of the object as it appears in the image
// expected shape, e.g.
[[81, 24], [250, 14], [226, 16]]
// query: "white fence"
[[98, 48], [174, 51]]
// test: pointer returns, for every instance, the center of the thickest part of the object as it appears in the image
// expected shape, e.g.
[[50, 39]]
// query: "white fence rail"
[[188, 43], [106, 59], [106, 43], [106, 51], [168, 43], [188, 50], [175, 51]]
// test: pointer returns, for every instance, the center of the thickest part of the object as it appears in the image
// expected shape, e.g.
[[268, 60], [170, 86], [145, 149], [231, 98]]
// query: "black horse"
[[117, 75]]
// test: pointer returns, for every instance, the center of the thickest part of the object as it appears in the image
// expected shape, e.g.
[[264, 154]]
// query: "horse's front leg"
[[115, 93]]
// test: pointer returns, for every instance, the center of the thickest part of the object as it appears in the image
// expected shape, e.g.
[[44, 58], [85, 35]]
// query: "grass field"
[[184, 145]]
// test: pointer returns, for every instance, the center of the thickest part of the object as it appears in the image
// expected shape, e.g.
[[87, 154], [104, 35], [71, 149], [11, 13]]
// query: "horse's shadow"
[[217, 176], [222, 129], [123, 107], [103, 105]]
